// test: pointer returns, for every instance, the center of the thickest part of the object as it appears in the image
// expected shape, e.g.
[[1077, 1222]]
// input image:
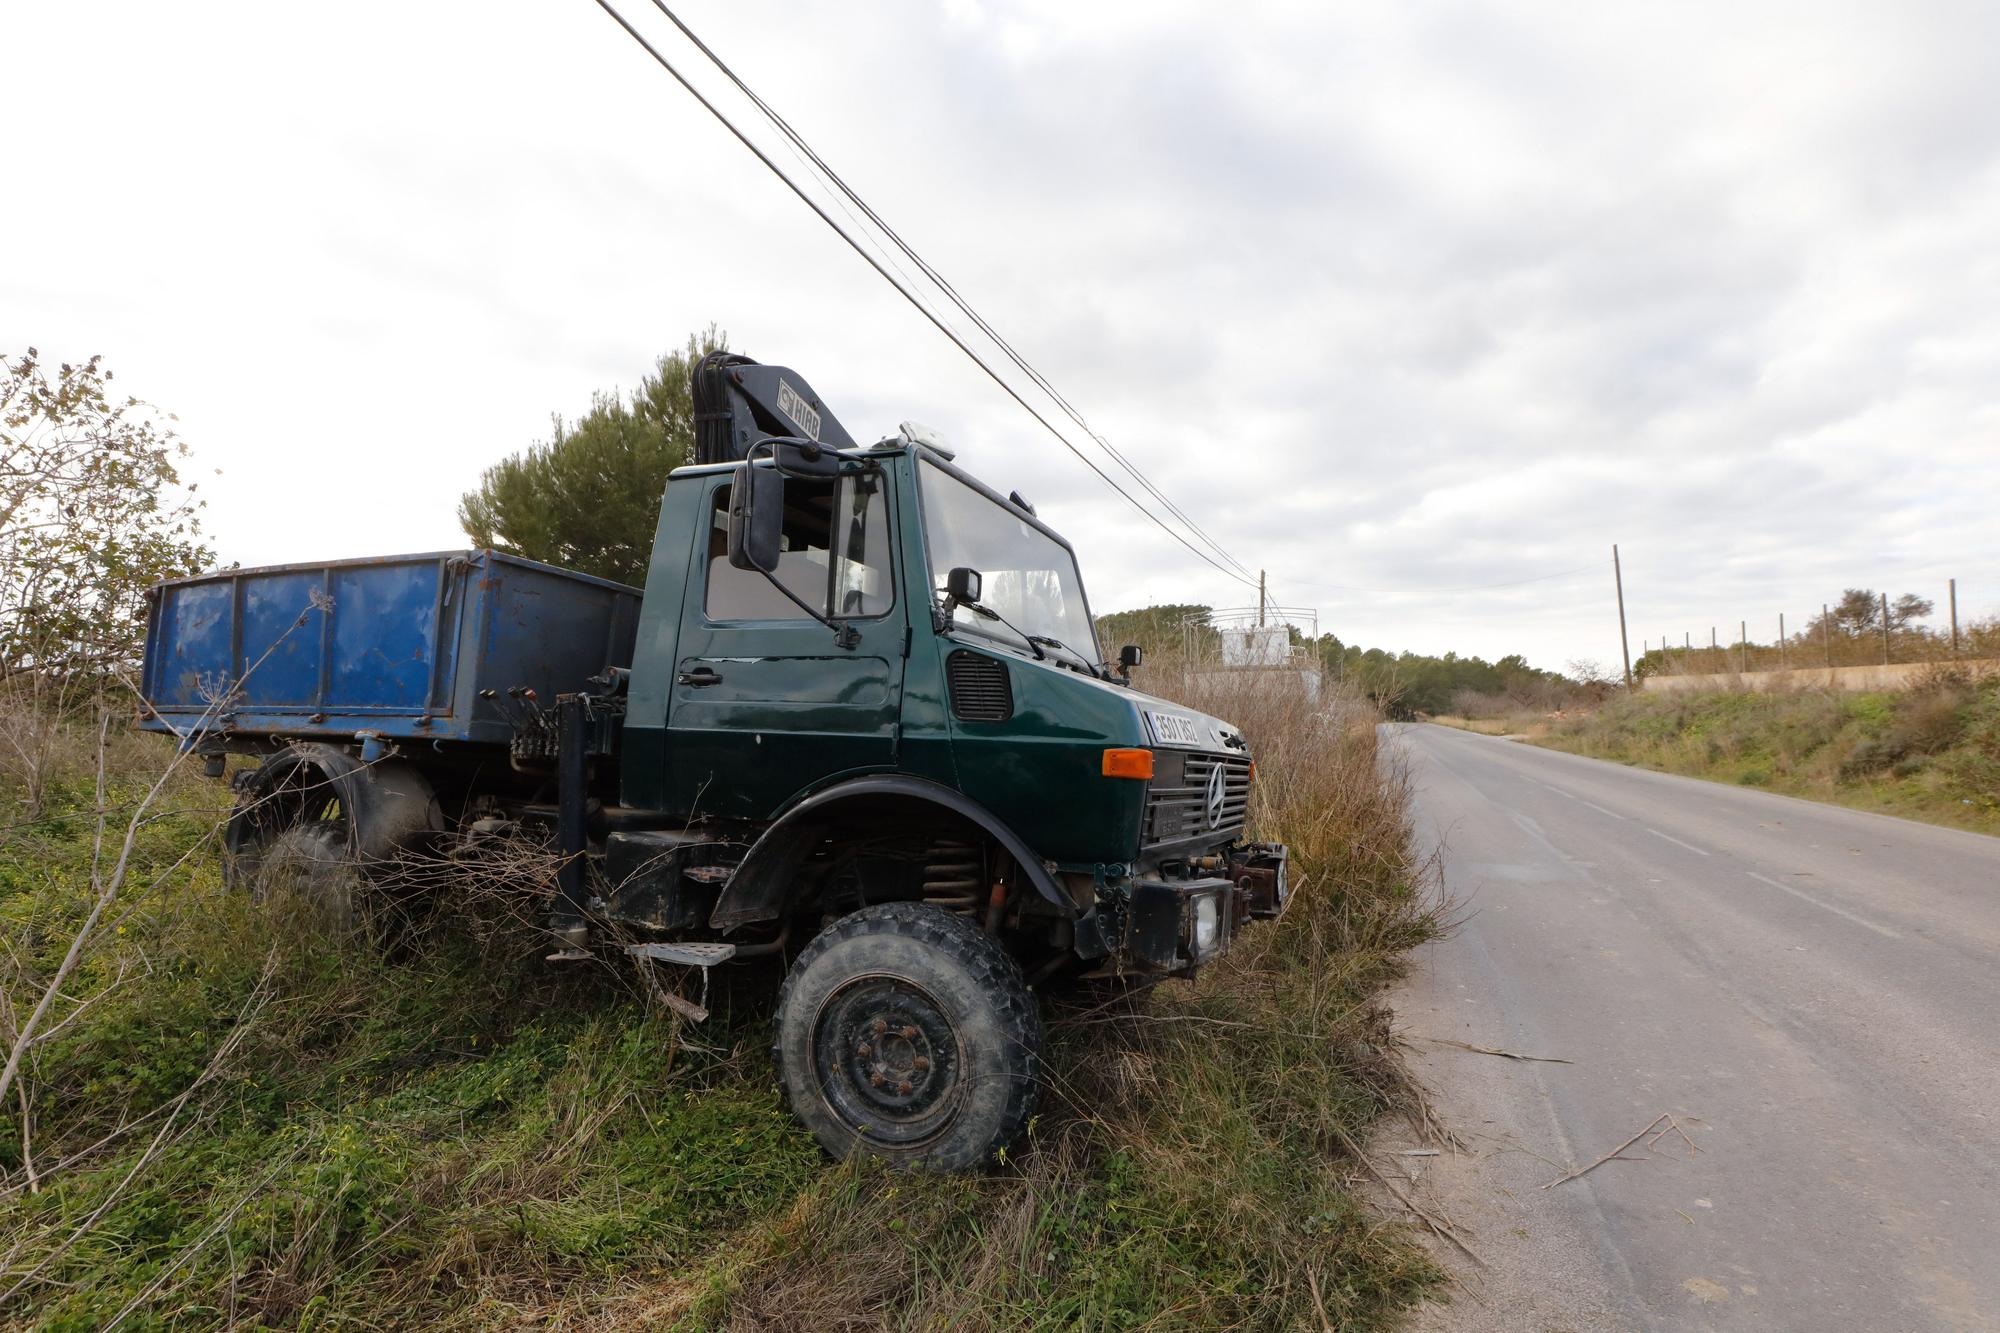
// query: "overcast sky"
[[1395, 299]]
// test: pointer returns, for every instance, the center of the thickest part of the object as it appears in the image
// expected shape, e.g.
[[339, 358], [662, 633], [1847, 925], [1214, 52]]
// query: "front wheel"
[[906, 1032]]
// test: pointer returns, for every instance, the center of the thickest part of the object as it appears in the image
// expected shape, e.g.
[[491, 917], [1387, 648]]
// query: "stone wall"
[[1896, 676]]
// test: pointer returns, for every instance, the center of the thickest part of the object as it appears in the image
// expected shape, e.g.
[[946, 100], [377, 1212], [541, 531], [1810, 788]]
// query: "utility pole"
[[1826, 633], [1885, 629], [1782, 666], [1624, 644], [1687, 653], [1260, 600], [1714, 652], [1954, 617]]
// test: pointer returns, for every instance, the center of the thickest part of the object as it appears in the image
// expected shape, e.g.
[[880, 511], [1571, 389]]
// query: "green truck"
[[858, 721]]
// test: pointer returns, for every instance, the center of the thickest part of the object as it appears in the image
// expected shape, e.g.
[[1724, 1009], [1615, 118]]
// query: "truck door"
[[764, 703]]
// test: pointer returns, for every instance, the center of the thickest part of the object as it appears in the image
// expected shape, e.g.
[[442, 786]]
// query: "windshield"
[[1027, 576]]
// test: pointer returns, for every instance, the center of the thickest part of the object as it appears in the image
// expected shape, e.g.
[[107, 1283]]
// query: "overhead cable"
[[910, 296], [834, 179]]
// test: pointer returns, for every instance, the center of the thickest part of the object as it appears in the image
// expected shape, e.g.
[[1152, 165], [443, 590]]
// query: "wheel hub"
[[887, 1060], [896, 1058]]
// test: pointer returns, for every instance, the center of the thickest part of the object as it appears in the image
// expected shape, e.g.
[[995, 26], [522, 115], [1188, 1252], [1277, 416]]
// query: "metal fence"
[[1822, 641]]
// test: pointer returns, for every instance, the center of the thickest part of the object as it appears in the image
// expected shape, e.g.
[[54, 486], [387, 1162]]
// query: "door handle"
[[699, 677]]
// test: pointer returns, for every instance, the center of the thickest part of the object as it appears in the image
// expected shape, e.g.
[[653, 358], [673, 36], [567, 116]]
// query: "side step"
[[703, 956], [687, 955]]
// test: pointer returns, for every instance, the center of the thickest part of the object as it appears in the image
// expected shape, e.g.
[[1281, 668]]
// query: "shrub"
[[1941, 738], [1930, 720]]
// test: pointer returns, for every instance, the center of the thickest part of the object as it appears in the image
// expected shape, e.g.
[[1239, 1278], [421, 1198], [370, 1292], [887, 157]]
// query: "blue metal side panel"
[[194, 632], [402, 646], [543, 628], [270, 607], [383, 637]]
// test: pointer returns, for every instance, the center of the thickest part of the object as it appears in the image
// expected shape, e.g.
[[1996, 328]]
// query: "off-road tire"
[[907, 1033], [318, 828], [310, 865]]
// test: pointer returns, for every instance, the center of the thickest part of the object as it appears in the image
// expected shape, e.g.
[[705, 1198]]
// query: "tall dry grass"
[[1931, 751], [239, 1120], [1193, 1167]]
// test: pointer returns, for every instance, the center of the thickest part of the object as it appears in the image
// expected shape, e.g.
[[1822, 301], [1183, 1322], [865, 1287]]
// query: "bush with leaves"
[[92, 513]]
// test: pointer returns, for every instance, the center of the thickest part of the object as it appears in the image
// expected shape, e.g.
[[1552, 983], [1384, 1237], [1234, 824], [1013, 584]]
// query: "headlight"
[[1207, 924]]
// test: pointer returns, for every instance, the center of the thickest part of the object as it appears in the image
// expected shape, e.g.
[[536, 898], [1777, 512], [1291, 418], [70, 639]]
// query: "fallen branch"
[[1437, 1228], [1674, 1126], [1650, 1127], [252, 1007], [1495, 1050]]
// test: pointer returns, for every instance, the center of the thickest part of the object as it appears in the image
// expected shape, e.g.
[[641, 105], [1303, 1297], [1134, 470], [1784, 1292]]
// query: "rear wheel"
[[309, 864], [316, 826], [906, 1032]]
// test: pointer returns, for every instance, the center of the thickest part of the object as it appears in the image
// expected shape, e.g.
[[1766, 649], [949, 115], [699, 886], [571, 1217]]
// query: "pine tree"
[[588, 498]]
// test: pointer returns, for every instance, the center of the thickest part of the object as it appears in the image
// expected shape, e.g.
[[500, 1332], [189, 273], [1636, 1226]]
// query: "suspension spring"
[[954, 876]]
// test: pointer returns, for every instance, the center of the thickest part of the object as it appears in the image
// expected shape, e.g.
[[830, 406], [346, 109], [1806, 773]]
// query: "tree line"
[[1403, 684]]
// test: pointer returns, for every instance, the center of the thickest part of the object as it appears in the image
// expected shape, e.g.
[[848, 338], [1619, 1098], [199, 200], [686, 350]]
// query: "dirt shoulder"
[[1517, 1258]]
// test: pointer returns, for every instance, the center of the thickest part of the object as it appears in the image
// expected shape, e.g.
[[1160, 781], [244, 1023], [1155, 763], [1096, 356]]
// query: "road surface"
[[1813, 994]]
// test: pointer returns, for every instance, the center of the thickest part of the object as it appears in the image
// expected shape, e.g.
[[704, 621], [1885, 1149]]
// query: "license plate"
[[1174, 729]]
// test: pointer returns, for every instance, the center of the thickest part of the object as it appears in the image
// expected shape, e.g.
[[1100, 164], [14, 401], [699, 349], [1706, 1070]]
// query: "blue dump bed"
[[401, 646]]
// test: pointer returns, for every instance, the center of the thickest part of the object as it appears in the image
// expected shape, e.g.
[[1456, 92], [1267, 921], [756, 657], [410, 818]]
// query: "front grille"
[[980, 688], [1177, 805]]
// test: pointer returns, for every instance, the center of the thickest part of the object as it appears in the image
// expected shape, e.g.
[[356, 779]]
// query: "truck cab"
[[862, 723]]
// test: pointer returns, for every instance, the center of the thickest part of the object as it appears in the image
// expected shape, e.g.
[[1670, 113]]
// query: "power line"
[[834, 179], [909, 296]]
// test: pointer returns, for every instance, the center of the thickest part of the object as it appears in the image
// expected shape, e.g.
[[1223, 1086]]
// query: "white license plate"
[[1175, 729]]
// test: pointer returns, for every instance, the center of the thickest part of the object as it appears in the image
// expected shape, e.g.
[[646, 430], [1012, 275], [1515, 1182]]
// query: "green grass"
[[1929, 753], [277, 1129]]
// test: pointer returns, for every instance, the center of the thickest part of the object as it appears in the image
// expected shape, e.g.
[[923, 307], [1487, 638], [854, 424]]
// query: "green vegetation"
[[1402, 685], [1931, 752], [1407, 684], [232, 1118], [215, 1113], [92, 513], [588, 498]]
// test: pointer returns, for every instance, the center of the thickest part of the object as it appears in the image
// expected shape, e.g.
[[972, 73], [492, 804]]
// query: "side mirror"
[[805, 458], [961, 587], [756, 518], [1130, 656]]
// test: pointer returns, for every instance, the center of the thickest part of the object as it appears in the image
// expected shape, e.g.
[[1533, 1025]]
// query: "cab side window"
[[834, 555]]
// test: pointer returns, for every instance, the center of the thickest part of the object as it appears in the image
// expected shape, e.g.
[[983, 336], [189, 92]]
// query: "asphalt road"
[[1812, 992]]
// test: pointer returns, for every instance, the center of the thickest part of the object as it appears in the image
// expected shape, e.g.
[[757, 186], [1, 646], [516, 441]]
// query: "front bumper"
[[1177, 925], [1261, 873]]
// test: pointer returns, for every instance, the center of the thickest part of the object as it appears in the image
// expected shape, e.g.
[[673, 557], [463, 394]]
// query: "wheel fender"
[[391, 805], [761, 886]]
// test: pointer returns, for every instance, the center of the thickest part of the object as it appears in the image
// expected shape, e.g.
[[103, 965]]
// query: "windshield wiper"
[[1092, 667], [987, 611], [1036, 642]]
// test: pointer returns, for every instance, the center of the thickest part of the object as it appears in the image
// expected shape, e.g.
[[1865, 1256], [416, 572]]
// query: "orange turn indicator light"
[[1128, 764]]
